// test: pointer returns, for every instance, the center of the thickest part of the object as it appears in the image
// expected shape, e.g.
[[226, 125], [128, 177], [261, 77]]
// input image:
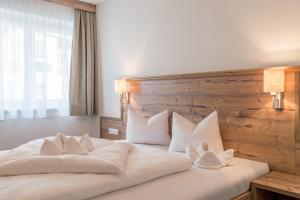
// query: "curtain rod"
[[76, 4]]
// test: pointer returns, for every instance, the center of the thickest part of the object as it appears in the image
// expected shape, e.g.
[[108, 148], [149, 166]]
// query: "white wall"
[[17, 132], [156, 37]]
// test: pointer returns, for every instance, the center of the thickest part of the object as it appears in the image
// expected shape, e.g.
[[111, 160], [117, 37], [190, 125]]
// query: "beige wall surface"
[[157, 37]]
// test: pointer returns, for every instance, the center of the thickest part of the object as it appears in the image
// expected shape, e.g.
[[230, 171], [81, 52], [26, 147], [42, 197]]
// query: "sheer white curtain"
[[35, 55]]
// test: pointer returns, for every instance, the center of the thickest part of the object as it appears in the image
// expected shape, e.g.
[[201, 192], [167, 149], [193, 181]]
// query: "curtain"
[[35, 57], [84, 80]]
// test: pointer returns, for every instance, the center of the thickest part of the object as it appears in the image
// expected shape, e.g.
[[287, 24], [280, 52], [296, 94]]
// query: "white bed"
[[225, 183]]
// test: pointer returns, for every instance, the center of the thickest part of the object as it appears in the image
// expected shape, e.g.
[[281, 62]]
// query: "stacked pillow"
[[154, 130]]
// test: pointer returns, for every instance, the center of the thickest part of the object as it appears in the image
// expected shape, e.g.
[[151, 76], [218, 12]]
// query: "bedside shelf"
[[276, 185]]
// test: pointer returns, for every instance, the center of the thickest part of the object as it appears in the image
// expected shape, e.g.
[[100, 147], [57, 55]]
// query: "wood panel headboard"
[[248, 123]]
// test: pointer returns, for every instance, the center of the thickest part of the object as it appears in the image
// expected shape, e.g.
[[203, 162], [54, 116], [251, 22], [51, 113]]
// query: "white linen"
[[60, 140], [49, 147], [210, 160], [143, 164], [68, 145], [110, 158], [72, 146], [185, 132], [86, 142], [196, 184], [207, 159], [153, 130]]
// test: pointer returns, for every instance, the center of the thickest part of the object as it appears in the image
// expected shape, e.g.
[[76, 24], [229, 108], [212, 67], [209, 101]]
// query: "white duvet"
[[143, 164], [107, 158]]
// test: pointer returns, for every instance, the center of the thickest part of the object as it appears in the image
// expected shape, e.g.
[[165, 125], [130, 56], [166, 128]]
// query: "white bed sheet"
[[196, 184]]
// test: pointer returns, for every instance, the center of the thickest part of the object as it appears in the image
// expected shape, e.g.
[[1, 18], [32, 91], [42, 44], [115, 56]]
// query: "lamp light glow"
[[274, 80], [120, 86], [274, 83]]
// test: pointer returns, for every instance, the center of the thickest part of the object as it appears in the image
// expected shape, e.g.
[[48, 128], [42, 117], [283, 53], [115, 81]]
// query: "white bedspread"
[[143, 164], [108, 158], [196, 184]]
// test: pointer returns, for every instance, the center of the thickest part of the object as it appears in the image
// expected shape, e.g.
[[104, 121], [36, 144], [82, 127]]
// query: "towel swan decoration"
[[67, 145], [205, 158]]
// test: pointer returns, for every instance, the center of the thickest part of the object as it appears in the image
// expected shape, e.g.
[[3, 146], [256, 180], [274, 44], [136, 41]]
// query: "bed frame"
[[244, 196], [248, 123]]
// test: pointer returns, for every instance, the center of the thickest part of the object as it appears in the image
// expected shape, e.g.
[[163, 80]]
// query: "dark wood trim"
[[76, 4], [195, 75], [110, 118], [206, 74], [297, 122], [276, 185], [244, 196], [297, 106]]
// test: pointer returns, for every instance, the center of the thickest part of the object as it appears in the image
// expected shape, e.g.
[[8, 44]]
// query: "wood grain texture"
[[297, 122], [244, 196], [76, 4], [248, 123], [276, 185], [108, 122]]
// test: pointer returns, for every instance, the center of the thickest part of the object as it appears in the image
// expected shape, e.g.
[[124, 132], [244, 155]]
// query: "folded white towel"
[[208, 160], [67, 145], [86, 142], [108, 159], [71, 146], [50, 148], [191, 152], [60, 140], [203, 158]]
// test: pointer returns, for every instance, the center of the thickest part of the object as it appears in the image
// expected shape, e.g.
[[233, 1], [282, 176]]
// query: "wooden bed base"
[[244, 196]]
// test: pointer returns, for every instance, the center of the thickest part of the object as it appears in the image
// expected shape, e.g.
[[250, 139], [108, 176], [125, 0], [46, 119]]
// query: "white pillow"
[[185, 132], [152, 130]]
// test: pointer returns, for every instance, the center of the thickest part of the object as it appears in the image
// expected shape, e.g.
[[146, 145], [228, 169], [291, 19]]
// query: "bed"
[[226, 183], [248, 124]]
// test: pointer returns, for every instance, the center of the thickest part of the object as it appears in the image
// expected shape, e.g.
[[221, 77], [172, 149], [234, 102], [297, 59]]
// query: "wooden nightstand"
[[276, 185]]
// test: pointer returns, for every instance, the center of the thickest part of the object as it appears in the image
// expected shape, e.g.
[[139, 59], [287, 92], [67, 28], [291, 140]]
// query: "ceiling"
[[93, 1]]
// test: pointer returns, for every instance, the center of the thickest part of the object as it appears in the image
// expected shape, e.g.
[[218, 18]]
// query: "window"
[[35, 56]]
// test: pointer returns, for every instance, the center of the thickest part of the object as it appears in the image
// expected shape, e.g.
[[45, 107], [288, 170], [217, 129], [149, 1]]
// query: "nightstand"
[[276, 185]]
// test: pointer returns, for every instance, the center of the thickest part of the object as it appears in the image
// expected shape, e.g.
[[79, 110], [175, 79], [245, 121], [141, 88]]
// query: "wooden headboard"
[[248, 123]]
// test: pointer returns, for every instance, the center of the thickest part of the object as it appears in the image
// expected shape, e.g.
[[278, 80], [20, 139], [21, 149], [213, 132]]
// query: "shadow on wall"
[[17, 132]]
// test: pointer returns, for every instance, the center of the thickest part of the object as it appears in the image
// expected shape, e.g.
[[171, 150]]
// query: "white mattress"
[[222, 184]]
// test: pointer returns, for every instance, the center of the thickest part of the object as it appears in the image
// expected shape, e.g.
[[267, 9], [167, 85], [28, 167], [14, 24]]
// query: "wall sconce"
[[122, 89], [274, 83]]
